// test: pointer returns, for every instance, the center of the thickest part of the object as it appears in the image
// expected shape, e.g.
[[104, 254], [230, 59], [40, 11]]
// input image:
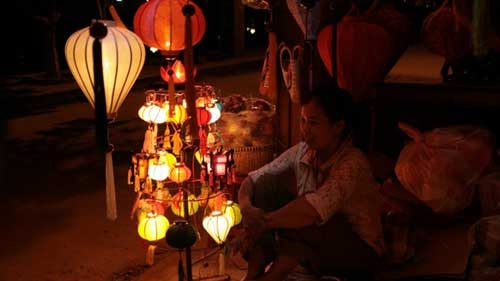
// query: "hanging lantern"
[[147, 206], [152, 113], [203, 116], [217, 225], [232, 211], [219, 164], [167, 158], [181, 235], [160, 24], [158, 171], [180, 173], [117, 56], [214, 113], [179, 114], [153, 227], [177, 206], [123, 57], [216, 201]]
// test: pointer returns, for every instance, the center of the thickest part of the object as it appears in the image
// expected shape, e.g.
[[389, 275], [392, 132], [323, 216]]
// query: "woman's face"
[[316, 129]]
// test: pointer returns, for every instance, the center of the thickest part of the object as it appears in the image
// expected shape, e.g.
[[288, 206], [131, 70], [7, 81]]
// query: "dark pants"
[[329, 249]]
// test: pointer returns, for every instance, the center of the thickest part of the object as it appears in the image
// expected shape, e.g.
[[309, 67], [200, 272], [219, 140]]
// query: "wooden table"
[[414, 92]]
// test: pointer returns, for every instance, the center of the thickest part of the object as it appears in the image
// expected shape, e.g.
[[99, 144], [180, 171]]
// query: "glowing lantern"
[[219, 164], [168, 158], [179, 114], [117, 56], [232, 211], [161, 24], [214, 113], [217, 225], [203, 116], [158, 171], [123, 57], [180, 173], [177, 206], [153, 227], [152, 113]]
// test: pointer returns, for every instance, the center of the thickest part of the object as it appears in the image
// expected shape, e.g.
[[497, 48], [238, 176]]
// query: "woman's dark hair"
[[336, 103]]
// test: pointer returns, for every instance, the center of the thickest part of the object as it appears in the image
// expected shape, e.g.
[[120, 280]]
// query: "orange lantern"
[[161, 24], [180, 173]]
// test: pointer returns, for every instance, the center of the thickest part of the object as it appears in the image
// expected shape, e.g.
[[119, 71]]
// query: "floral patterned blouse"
[[342, 184]]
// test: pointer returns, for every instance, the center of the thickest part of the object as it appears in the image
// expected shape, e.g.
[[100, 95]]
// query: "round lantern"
[[168, 158], [180, 173], [179, 114], [123, 57], [158, 171], [232, 211], [161, 24], [217, 225], [177, 206], [214, 112], [181, 235], [153, 227], [152, 113], [203, 116]]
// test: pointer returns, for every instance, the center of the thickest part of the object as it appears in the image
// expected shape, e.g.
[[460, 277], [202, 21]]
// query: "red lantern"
[[202, 116], [161, 24]]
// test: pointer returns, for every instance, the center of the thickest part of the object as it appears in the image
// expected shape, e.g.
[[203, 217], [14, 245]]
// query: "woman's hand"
[[253, 220]]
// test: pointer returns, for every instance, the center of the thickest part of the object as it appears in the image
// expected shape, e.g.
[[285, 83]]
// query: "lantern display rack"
[[183, 172]]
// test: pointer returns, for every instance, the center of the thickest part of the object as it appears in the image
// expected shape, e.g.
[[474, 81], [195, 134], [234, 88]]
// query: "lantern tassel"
[[110, 188], [150, 255]]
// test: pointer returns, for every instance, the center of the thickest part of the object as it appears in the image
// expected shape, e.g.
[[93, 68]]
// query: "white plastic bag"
[[441, 167]]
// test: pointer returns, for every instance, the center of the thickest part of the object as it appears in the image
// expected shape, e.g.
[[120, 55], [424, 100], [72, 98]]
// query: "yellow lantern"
[[217, 225], [180, 173], [153, 227], [232, 211], [177, 206], [179, 114]]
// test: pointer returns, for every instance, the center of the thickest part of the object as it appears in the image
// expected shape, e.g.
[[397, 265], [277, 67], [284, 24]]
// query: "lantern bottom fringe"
[[150, 255], [111, 212]]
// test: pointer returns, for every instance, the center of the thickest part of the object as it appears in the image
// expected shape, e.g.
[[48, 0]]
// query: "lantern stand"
[[98, 30], [188, 10]]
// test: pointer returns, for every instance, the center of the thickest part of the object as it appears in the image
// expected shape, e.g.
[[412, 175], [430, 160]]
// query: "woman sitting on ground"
[[328, 222]]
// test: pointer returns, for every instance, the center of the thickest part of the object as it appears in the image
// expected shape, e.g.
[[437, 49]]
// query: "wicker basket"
[[250, 158]]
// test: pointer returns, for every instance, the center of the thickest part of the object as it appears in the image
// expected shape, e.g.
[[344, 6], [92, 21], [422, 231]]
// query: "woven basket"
[[250, 158]]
